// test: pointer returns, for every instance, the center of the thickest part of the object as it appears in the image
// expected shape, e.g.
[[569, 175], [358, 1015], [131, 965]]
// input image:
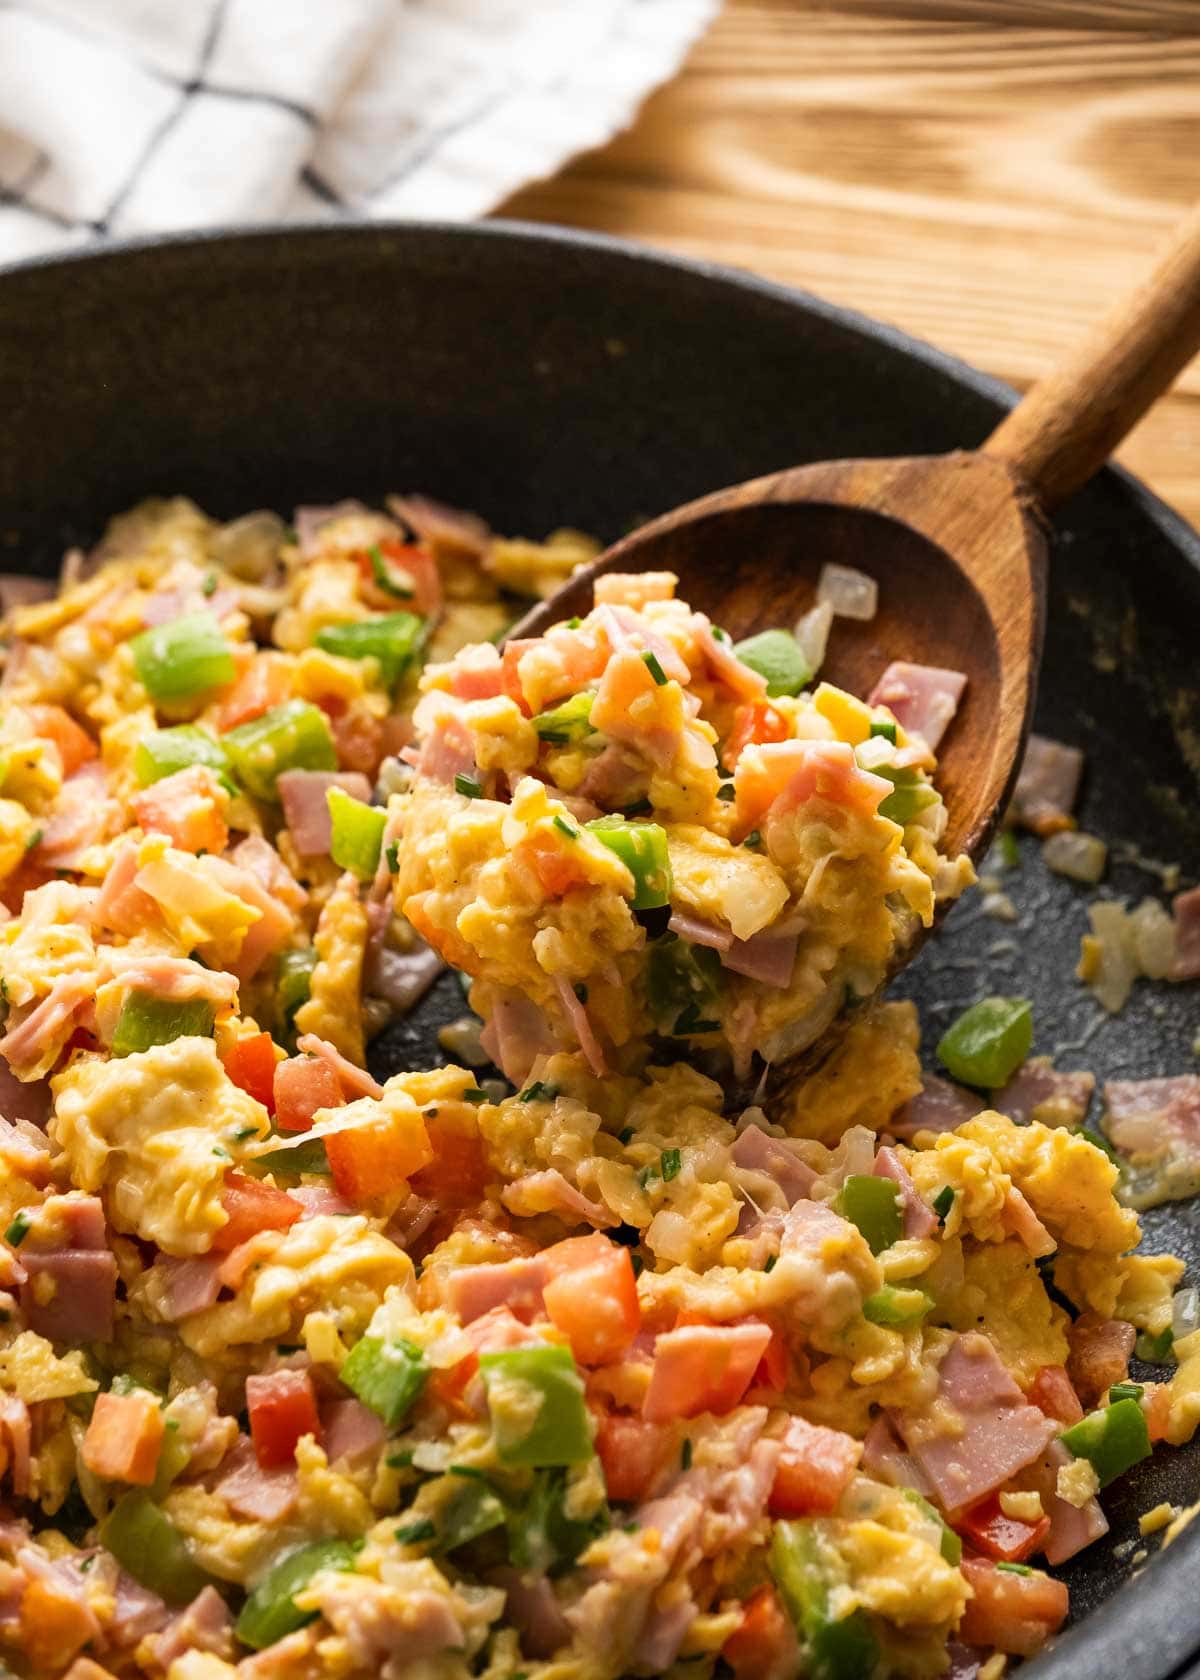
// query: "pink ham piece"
[[919, 1219], [23, 1099], [447, 751], [778, 777], [884, 1458], [1047, 785], [1071, 1527], [979, 1432], [703, 1367], [663, 1632], [306, 810], [767, 957], [624, 628], [192, 1286], [206, 1625], [308, 522], [577, 1015], [699, 932], [472, 1291], [549, 1192], [250, 1491], [70, 1296], [1038, 1083], [316, 1200], [1020, 1219], [922, 698], [259, 858], [355, 1081], [350, 1430], [625, 688], [120, 905], [517, 1034], [83, 817], [939, 1106], [725, 664], [1099, 1356], [75, 1221], [24, 1148], [137, 1613], [530, 1605], [1185, 912], [757, 1151], [443, 526], [1147, 1117], [274, 927], [477, 673], [175, 979], [400, 978], [41, 1033]]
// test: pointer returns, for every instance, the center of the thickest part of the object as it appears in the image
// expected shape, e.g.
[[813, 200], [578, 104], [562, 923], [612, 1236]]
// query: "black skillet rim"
[[1151, 1638]]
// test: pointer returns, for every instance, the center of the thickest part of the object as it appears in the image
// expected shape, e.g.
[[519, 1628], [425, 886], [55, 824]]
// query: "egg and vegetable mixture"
[[574, 1374]]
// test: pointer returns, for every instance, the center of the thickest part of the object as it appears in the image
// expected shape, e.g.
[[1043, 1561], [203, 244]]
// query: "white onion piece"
[[1118, 966], [460, 1039], [1079, 856], [812, 635], [1154, 938], [869, 755], [848, 593], [1185, 1312], [249, 547]]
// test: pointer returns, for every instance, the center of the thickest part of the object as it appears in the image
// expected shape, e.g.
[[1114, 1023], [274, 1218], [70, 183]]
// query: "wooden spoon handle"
[[1066, 427]]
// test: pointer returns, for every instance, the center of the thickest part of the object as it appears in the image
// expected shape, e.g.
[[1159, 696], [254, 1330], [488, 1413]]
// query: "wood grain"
[[986, 174]]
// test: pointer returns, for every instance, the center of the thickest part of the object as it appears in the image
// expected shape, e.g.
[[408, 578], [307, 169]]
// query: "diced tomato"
[[54, 1624], [552, 861], [763, 1646], [1015, 1613], [458, 1174], [420, 569], [774, 1367], [266, 682], [632, 1452], [1156, 1403], [1052, 1392], [282, 1407], [369, 1160], [703, 1368], [252, 1207], [26, 877], [511, 658], [75, 745], [124, 1437], [1007, 1539], [250, 1063], [814, 1470], [302, 1085], [232, 1271], [757, 721], [591, 1296], [188, 808]]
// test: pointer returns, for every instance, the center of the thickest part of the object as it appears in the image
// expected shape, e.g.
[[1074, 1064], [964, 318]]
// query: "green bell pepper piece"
[[837, 1650], [1111, 1439], [642, 848], [293, 981], [357, 833], [541, 1536], [387, 1376], [164, 751], [146, 1020], [777, 656], [988, 1043], [912, 795], [568, 722], [270, 1612], [897, 1307], [294, 736], [392, 639], [183, 659], [535, 1397], [873, 1204], [884, 727], [306, 1157], [1156, 1349], [146, 1543], [471, 1509]]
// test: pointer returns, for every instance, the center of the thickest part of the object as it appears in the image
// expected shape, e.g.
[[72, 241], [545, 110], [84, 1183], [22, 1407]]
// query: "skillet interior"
[[550, 378]]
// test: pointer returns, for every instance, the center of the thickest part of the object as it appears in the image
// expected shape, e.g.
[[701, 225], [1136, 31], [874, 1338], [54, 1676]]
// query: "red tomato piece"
[[282, 1407], [75, 745], [1053, 1392], [1015, 1613], [511, 657], [1007, 1539], [591, 1296], [774, 1367], [368, 1161], [756, 721], [1156, 1403], [266, 682], [302, 1085], [458, 1174], [703, 1368], [250, 1063], [357, 740], [555, 866], [252, 1207], [421, 571], [632, 1452], [763, 1645], [814, 1470]]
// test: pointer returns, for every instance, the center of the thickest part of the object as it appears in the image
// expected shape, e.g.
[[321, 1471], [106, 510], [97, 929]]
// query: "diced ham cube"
[[922, 698]]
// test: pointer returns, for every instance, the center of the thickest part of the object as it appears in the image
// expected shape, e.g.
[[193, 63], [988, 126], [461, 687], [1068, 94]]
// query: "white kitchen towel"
[[122, 117]]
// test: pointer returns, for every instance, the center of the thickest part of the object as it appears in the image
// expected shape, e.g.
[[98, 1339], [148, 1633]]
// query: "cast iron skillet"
[[546, 378]]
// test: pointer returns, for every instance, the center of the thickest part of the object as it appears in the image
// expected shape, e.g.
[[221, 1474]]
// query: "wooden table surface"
[[986, 174]]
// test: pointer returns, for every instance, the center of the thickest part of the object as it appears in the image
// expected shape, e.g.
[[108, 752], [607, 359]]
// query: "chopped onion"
[[848, 593], [812, 635], [460, 1039], [1154, 938], [1115, 968], [249, 547], [1185, 1312], [871, 754], [1081, 857]]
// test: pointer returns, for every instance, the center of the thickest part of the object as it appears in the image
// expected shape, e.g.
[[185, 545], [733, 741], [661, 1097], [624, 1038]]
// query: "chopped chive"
[[572, 624], [887, 730], [1010, 852], [754, 838], [392, 853], [18, 1230], [538, 1092], [35, 839], [1015, 1568], [399, 1460], [685, 1457], [412, 1534], [221, 1154], [772, 1262], [1125, 1391], [943, 1202], [669, 1163], [650, 661], [470, 1470], [209, 587], [726, 794], [637, 809], [644, 1177], [638, 1264], [567, 828], [626, 1135], [1155, 1350], [469, 786], [474, 1095], [721, 635]]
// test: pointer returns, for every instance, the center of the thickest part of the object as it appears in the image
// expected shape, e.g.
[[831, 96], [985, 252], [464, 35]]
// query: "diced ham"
[[516, 1035], [308, 522], [779, 776], [939, 1106], [625, 710], [472, 1291], [577, 1015], [274, 927], [1072, 1527], [23, 1099], [19, 590], [549, 1192], [1148, 1116], [768, 958], [260, 859], [306, 810], [252, 1492], [174, 979], [1061, 1098], [84, 816], [1185, 914], [120, 905], [400, 978], [884, 1458], [137, 1613], [663, 1632], [17, 1431], [188, 806], [316, 1200], [24, 1147], [444, 527], [70, 1296], [1099, 1356], [350, 1430], [725, 664], [192, 1286], [699, 932], [1000, 1433], [922, 698], [531, 1606], [1047, 786], [1020, 1219], [40, 1033], [447, 747], [919, 1218], [702, 1368], [627, 629], [375, 1623], [757, 1151], [206, 1625], [355, 1081], [69, 1221]]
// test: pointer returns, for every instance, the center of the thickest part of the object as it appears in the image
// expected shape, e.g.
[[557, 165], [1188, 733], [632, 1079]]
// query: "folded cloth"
[[124, 117]]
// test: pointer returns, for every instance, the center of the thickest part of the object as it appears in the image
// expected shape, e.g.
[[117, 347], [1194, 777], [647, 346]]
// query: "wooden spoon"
[[956, 542]]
